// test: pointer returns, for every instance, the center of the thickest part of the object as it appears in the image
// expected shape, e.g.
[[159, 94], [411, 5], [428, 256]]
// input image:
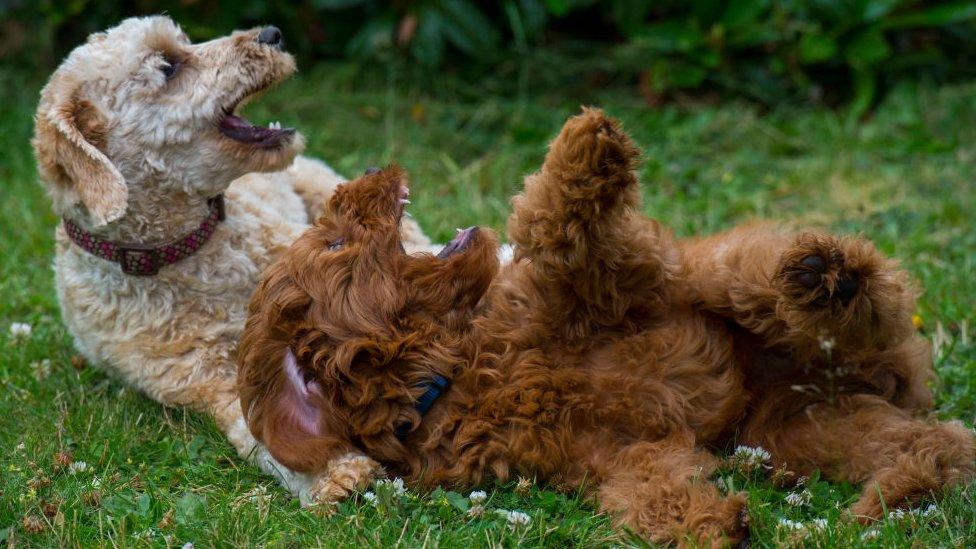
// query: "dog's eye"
[[169, 68], [337, 245]]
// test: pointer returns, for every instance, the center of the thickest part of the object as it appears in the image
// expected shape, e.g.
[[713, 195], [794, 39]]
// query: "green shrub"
[[832, 50]]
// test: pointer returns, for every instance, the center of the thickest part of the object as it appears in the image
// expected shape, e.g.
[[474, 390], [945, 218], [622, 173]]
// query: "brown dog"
[[600, 355], [569, 365]]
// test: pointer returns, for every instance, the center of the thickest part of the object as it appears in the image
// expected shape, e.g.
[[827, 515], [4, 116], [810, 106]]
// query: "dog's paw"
[[814, 273], [343, 476], [592, 159], [842, 289], [593, 143]]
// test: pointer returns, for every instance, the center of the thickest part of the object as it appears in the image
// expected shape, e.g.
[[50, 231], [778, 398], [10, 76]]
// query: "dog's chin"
[[264, 159]]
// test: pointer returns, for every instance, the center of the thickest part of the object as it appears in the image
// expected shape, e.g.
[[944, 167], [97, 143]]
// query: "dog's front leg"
[[226, 411], [343, 475]]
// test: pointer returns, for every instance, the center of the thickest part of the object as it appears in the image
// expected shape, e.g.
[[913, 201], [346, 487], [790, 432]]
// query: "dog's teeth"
[[404, 201], [458, 230], [408, 214], [275, 125]]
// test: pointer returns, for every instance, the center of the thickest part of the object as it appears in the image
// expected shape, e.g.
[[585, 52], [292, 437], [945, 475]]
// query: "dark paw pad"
[[821, 277], [824, 279], [811, 278], [814, 263], [846, 287]]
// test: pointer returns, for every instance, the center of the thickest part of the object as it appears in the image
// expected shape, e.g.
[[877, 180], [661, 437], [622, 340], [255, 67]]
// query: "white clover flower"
[[21, 447], [478, 497], [188, 545], [819, 523], [370, 497], [41, 368], [20, 331], [78, 467], [396, 485], [897, 514], [476, 511], [901, 514], [799, 499], [871, 533], [517, 518], [791, 524], [96, 483], [751, 458]]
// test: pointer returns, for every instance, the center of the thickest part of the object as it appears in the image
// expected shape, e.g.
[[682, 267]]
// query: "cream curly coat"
[[128, 146]]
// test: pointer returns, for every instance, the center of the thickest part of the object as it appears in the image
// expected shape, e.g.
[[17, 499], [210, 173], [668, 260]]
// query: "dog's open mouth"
[[239, 129], [459, 243]]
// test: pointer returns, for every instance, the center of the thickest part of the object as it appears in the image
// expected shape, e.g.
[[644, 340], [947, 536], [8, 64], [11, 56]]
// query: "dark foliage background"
[[837, 51]]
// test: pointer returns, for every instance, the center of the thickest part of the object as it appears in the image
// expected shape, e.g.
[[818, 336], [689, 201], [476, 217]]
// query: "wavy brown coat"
[[605, 356]]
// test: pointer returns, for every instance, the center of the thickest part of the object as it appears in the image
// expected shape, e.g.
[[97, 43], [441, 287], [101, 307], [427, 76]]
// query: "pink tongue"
[[233, 122]]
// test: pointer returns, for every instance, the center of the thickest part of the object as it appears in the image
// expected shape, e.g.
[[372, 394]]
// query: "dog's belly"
[[687, 363]]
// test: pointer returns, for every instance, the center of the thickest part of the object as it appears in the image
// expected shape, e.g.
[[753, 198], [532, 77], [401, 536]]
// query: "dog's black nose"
[[372, 169], [270, 36]]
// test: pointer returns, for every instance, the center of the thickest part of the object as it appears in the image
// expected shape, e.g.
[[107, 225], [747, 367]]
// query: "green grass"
[[165, 477]]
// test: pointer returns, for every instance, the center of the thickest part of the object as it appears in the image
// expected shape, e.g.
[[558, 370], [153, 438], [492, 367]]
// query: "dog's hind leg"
[[864, 439], [577, 223], [800, 291], [661, 490]]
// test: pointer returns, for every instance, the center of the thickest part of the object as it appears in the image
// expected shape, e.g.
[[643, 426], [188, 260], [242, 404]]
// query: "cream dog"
[[137, 141]]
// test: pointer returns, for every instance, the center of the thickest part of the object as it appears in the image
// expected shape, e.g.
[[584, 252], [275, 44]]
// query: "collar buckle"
[[138, 260]]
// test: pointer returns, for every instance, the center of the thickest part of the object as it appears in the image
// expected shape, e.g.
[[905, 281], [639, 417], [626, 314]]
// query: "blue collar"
[[435, 387]]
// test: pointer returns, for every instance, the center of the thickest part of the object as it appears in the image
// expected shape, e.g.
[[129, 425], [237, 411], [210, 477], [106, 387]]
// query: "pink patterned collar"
[[146, 260]]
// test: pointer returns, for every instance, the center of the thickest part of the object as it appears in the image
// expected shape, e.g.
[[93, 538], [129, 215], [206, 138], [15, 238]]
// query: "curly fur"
[[838, 379], [606, 356], [133, 156], [570, 364]]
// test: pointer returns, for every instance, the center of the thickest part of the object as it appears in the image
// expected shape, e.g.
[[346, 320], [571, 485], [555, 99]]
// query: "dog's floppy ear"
[[67, 134]]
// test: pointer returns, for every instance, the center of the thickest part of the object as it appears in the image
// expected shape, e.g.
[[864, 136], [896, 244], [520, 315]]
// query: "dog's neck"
[[155, 217], [469, 377]]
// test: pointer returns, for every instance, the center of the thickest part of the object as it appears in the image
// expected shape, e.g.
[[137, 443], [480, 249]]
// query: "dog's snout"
[[271, 36], [372, 170]]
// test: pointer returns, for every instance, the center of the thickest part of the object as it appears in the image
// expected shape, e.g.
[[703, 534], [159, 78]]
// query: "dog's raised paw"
[[593, 144], [814, 273]]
